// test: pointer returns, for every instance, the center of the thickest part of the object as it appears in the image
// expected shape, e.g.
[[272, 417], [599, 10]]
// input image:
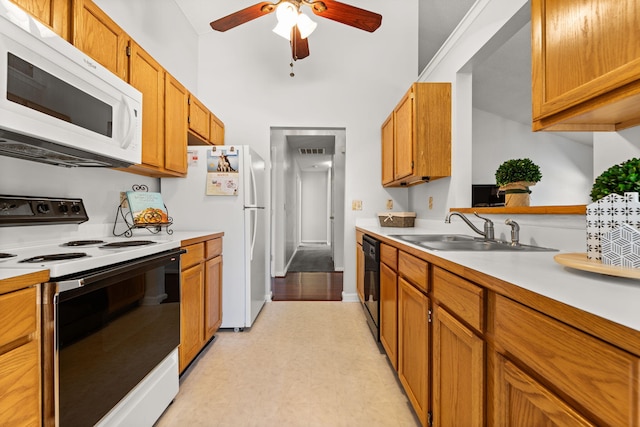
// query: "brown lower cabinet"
[[413, 346], [201, 296], [389, 302], [20, 355], [476, 351]]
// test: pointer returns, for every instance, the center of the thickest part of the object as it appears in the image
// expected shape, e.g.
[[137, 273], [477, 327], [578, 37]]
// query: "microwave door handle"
[[128, 117]]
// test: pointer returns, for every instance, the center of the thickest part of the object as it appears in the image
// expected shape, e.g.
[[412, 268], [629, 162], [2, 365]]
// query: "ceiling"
[[501, 83], [312, 162]]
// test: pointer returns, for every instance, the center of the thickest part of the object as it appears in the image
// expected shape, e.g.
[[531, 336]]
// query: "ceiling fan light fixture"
[[305, 25], [283, 30], [287, 15]]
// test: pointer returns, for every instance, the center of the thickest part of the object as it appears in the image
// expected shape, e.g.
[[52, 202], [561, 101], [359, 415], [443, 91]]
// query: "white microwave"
[[59, 106]]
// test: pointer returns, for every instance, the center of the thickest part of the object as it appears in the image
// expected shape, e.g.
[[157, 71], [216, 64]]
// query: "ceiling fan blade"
[[346, 14], [299, 46], [245, 15]]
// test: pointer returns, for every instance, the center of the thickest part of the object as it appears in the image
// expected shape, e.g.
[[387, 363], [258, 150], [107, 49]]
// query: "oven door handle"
[[131, 268]]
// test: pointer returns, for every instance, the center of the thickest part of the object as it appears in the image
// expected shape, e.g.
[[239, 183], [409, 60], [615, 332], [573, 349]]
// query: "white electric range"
[[110, 316], [67, 257]]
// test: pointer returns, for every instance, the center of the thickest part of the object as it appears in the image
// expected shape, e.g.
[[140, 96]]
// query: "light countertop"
[[612, 298]]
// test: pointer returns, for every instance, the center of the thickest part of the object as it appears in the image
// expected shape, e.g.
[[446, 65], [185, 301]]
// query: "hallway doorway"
[[307, 217]]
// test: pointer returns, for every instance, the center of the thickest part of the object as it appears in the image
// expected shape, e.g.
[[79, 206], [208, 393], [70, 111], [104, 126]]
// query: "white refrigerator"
[[225, 190]]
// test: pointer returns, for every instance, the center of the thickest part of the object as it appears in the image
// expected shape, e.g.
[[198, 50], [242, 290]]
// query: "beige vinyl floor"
[[301, 364]]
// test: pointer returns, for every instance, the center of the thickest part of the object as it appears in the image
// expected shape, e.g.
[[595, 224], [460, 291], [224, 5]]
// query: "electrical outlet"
[[124, 203], [356, 205], [430, 202], [389, 204]]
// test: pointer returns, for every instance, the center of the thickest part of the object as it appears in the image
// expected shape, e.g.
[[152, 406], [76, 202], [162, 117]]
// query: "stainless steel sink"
[[461, 242]]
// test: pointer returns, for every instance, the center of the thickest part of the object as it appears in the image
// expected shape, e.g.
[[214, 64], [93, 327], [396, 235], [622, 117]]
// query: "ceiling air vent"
[[311, 150]]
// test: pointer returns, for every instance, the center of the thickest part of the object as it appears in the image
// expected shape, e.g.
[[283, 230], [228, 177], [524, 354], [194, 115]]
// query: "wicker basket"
[[397, 219]]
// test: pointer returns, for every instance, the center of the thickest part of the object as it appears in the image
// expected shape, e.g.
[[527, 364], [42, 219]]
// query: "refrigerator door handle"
[[254, 190], [255, 232]]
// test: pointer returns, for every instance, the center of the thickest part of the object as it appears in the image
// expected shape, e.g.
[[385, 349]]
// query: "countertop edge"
[[14, 279]]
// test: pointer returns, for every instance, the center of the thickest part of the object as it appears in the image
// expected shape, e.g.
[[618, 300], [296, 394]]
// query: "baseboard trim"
[[350, 297]]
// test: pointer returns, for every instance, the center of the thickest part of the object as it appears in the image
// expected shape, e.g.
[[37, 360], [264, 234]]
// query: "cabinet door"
[[585, 58], [54, 13], [198, 118], [522, 402], [360, 272], [216, 130], [413, 346], [389, 313], [175, 125], [458, 373], [146, 75], [213, 297], [387, 150], [403, 149], [98, 36], [191, 314]]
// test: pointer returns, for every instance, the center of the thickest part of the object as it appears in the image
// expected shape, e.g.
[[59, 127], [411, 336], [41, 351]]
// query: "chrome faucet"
[[515, 231], [488, 224]]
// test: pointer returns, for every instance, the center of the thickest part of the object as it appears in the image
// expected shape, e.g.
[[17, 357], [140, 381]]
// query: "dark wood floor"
[[308, 286]]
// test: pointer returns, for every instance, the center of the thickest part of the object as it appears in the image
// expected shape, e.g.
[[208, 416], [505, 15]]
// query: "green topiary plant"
[[518, 170], [618, 179]]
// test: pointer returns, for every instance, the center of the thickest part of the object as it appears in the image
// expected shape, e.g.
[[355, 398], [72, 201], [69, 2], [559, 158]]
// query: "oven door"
[[111, 328]]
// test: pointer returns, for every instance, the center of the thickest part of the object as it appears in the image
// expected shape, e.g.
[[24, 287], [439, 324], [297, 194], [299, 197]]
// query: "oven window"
[[111, 336], [34, 88]]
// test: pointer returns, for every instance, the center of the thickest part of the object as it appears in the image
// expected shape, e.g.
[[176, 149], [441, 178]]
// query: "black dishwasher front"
[[371, 249]]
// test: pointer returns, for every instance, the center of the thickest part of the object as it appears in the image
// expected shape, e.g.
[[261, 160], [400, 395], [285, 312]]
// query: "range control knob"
[[64, 208], [43, 208], [76, 208]]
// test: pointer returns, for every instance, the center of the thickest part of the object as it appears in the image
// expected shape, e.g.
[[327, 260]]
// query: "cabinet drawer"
[[18, 315], [460, 296], [389, 255], [413, 269], [194, 255], [599, 377], [213, 248], [20, 386]]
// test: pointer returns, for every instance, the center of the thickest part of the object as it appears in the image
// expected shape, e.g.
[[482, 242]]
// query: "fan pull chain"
[[291, 74]]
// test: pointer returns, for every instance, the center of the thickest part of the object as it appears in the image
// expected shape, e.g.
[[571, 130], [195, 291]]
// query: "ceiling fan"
[[295, 25]]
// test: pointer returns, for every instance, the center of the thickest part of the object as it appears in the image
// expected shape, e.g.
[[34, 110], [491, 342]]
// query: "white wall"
[[453, 63], [566, 165], [612, 148], [351, 80], [314, 216]]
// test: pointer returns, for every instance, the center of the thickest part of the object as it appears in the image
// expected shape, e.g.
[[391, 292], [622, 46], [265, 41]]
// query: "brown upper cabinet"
[[204, 127], [585, 65], [54, 13], [416, 138], [100, 37], [171, 115], [198, 118], [175, 126], [216, 130]]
